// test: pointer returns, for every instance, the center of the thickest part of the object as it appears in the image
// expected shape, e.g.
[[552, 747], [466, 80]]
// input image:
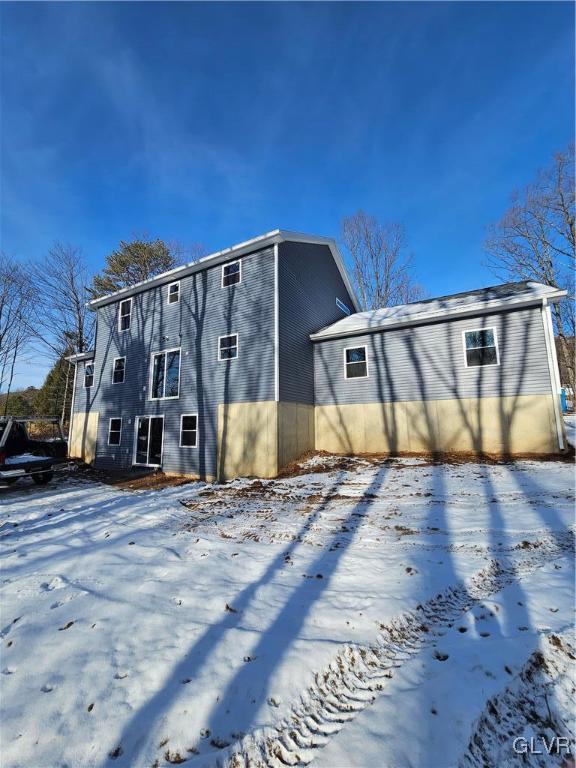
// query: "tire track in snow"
[[357, 674], [525, 700]]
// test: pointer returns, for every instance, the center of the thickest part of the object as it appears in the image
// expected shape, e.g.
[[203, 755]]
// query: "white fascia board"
[[471, 310], [248, 246], [79, 356]]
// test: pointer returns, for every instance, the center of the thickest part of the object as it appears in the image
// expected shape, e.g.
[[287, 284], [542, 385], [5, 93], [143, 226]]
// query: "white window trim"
[[123, 301], [110, 420], [84, 382], [123, 357], [151, 374], [356, 378], [488, 365], [229, 359], [343, 307], [182, 417], [229, 264], [170, 303], [135, 450]]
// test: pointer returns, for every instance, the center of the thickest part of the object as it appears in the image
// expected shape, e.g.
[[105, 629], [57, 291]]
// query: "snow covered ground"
[[401, 613]]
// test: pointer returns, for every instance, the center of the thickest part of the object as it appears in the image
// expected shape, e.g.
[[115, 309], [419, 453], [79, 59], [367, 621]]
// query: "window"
[[355, 363], [343, 307], [480, 347], [124, 314], [118, 370], [231, 273], [228, 347], [165, 375], [114, 431], [89, 375], [189, 431], [174, 293]]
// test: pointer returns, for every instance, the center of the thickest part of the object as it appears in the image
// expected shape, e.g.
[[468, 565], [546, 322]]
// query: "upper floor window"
[[228, 347], [124, 315], [114, 431], [88, 375], [355, 363], [231, 273], [343, 307], [174, 293], [189, 430], [165, 375], [481, 347], [118, 370]]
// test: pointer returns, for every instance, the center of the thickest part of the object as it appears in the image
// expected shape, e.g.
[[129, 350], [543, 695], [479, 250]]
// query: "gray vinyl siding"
[[308, 284], [205, 311], [427, 362]]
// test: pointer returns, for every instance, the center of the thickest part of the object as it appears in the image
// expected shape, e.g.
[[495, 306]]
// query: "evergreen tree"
[[131, 263], [57, 387]]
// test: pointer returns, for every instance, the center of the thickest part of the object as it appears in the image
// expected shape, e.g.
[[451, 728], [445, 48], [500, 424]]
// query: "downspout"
[[554, 373], [277, 358]]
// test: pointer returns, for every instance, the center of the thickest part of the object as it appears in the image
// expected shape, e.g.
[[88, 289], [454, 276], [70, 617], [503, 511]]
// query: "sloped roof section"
[[481, 301], [234, 252]]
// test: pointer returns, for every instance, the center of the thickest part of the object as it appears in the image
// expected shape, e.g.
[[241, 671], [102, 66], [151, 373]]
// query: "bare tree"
[[536, 240], [381, 268], [16, 304], [64, 324], [61, 280]]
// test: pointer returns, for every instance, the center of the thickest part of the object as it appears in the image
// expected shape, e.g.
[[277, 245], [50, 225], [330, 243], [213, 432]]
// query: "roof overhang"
[[235, 251], [80, 356], [471, 310]]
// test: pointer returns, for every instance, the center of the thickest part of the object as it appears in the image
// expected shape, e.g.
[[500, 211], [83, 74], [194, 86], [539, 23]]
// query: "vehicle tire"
[[41, 478]]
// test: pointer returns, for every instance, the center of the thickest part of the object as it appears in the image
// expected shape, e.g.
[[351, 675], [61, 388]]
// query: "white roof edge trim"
[[480, 308], [256, 243], [79, 356]]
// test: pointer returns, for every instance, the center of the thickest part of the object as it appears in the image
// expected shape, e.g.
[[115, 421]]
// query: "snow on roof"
[[469, 302]]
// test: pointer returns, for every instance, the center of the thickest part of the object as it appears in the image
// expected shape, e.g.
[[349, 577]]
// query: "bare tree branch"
[[381, 269]]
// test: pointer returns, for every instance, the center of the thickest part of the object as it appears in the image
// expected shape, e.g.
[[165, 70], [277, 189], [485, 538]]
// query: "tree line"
[[43, 304]]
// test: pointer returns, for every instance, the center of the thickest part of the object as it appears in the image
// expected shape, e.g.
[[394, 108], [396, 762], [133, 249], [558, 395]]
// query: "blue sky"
[[213, 123]]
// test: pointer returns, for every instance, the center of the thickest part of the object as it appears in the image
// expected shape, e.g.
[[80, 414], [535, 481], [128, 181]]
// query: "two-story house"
[[240, 362], [208, 369]]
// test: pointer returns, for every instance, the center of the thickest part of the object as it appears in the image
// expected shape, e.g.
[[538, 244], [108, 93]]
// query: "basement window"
[[174, 293], [231, 274], [119, 370], [114, 431], [228, 347], [480, 347], [125, 315], [189, 430], [89, 375], [355, 363]]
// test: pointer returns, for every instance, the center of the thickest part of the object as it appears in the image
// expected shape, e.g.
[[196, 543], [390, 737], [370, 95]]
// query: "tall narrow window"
[[228, 347], [174, 293], [189, 431], [481, 347], [114, 431], [88, 375], [355, 363], [124, 315], [165, 375], [119, 370], [231, 273]]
